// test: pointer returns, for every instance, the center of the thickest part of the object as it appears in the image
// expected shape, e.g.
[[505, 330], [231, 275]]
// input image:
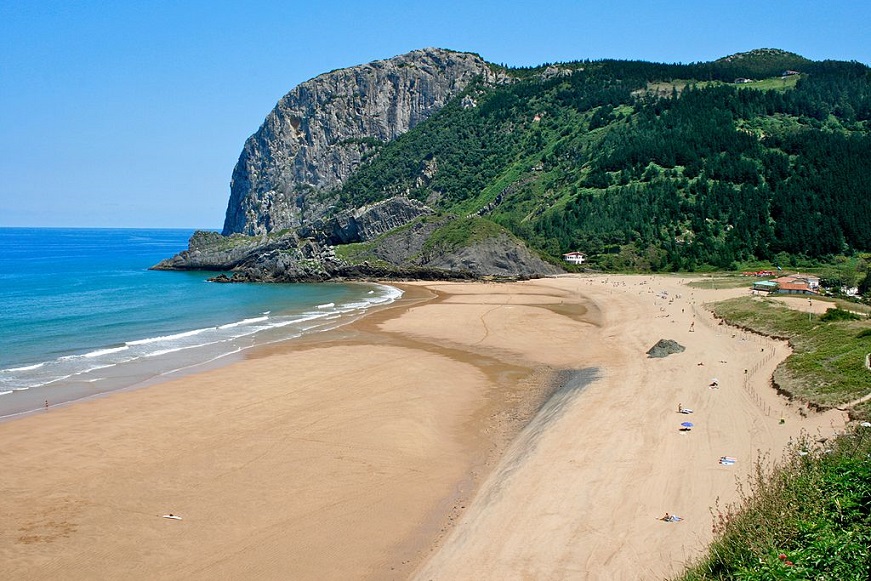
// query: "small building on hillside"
[[798, 284], [791, 284], [811, 281], [766, 286], [793, 288], [575, 257]]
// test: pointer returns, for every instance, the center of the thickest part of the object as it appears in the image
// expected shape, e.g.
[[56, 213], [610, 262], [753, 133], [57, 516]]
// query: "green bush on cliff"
[[460, 233], [839, 314], [809, 518]]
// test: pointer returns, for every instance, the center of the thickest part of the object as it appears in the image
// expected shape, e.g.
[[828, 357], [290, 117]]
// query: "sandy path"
[[350, 455]]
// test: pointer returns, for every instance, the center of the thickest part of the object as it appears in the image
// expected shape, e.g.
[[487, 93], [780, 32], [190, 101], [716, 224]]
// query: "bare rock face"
[[211, 251], [317, 134], [366, 223], [499, 256]]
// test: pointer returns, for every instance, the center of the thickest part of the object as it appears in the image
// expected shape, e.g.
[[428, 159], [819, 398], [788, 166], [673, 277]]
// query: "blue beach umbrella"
[[687, 424]]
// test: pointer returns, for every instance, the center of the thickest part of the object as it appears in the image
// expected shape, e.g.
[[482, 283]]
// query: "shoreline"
[[101, 421], [483, 429], [122, 378]]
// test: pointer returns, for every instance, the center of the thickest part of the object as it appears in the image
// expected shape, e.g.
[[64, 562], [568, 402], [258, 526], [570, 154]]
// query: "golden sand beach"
[[468, 431]]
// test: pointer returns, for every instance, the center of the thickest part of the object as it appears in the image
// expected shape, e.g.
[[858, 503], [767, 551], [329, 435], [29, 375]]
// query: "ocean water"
[[81, 314]]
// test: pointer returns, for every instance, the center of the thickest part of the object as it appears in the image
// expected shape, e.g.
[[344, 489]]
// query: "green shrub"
[[839, 314], [809, 518]]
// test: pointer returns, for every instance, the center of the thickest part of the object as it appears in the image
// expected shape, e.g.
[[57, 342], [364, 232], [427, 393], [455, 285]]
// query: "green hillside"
[[651, 166]]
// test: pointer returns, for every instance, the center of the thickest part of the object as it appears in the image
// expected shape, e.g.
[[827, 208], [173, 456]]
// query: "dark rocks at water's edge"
[[352, 272], [664, 348], [394, 233], [208, 250]]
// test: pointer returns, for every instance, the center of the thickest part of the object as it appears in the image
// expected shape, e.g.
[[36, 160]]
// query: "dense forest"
[[759, 156]]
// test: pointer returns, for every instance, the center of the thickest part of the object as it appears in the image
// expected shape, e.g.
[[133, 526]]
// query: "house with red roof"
[[798, 284], [575, 257]]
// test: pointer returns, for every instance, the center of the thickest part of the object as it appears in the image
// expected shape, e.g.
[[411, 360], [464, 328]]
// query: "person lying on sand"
[[671, 518]]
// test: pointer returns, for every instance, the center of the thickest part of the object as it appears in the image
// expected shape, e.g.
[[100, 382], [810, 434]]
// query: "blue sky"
[[133, 114]]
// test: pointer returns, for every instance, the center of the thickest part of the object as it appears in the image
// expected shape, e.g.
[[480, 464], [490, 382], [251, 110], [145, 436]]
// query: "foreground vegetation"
[[827, 367], [809, 518]]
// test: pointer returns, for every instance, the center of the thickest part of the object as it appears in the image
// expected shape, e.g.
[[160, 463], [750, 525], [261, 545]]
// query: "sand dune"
[[470, 431]]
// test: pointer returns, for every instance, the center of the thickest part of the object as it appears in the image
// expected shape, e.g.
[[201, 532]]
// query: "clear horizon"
[[128, 116]]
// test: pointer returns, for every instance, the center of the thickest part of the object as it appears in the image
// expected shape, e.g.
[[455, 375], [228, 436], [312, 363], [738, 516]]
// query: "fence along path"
[[707, 318]]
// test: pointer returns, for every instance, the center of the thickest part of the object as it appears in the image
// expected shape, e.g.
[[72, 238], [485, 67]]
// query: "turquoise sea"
[[81, 314]]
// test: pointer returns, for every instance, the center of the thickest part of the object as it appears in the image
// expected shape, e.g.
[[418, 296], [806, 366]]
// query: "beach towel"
[[686, 411], [172, 516]]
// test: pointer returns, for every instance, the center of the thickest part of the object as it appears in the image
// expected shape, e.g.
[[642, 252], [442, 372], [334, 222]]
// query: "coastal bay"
[[468, 430]]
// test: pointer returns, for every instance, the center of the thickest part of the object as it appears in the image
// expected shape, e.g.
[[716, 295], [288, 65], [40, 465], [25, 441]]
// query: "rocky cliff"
[[366, 223], [318, 133], [284, 222]]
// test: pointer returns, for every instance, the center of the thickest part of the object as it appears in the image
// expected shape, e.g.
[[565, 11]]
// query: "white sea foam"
[[167, 337], [5, 392], [107, 351], [160, 352], [52, 380], [327, 306], [244, 322], [348, 307], [93, 368], [307, 317], [25, 368]]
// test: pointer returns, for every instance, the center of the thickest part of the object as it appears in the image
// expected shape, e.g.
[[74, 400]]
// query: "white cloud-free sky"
[[133, 113]]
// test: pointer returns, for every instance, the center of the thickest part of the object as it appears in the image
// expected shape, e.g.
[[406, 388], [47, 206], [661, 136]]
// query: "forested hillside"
[[650, 166]]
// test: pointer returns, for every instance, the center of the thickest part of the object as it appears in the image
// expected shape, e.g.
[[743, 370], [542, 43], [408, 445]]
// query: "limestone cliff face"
[[317, 134]]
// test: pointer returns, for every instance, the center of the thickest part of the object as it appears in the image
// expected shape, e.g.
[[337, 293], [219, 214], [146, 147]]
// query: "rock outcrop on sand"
[[664, 348]]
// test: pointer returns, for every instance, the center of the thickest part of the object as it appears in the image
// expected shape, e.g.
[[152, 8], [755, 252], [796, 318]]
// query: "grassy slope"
[[828, 364], [808, 517]]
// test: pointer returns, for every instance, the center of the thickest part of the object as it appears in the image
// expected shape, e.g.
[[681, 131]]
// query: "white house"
[[575, 257]]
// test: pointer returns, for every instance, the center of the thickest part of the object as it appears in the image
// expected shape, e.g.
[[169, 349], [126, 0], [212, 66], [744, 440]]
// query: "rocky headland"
[[285, 221]]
